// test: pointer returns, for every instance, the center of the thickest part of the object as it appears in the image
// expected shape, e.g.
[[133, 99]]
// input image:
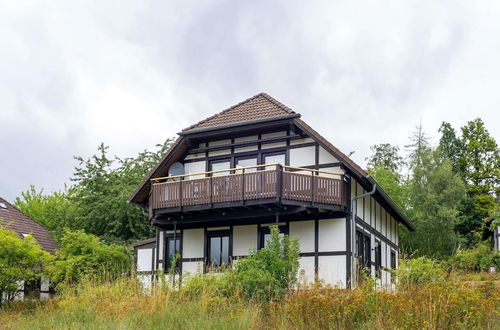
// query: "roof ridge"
[[276, 102], [261, 94]]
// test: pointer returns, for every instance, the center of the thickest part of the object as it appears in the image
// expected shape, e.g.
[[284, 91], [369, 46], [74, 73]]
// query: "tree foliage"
[[84, 256], [435, 196], [21, 260], [476, 158], [97, 200], [385, 156]]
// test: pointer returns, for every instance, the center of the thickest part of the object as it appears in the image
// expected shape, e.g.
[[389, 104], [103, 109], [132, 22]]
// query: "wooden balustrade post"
[[279, 182], [312, 186], [180, 191], [243, 185]]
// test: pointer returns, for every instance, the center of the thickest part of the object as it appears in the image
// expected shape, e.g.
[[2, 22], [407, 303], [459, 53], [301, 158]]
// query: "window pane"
[[275, 159], [225, 250], [215, 250], [170, 250], [221, 166], [267, 238], [247, 162]]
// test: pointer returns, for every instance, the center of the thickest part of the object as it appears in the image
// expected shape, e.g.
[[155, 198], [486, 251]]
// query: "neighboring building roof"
[[13, 219], [143, 242], [259, 106]]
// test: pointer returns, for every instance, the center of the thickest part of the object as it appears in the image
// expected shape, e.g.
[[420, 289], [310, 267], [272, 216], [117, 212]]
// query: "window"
[[265, 235], [245, 162], [378, 258], [393, 263], [171, 251], [218, 248], [3, 206], [363, 249], [274, 158], [220, 165]]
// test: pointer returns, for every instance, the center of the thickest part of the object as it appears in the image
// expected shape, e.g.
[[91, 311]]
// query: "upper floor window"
[[274, 158]]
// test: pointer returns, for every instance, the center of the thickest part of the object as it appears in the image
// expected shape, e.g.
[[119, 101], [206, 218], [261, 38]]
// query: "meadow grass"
[[125, 305]]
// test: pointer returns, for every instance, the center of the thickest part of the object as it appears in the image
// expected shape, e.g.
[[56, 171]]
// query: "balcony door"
[[218, 249], [221, 184], [249, 178]]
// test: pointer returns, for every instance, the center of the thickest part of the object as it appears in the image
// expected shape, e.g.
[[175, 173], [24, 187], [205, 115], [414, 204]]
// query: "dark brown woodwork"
[[266, 184]]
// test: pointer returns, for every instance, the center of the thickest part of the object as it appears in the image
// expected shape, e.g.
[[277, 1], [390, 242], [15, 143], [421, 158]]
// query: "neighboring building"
[[13, 219], [216, 191], [492, 231], [144, 259]]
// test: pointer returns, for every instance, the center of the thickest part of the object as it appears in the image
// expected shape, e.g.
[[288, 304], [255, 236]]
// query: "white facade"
[[325, 250]]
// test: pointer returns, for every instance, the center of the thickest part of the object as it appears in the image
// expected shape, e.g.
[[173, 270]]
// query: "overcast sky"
[[132, 73]]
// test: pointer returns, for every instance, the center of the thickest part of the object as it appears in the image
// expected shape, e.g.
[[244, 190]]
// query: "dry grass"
[[124, 305]]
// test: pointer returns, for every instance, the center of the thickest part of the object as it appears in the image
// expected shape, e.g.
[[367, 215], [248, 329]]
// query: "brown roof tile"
[[259, 106], [13, 219]]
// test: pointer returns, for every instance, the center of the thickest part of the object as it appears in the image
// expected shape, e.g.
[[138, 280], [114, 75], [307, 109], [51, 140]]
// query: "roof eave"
[[238, 124], [404, 219]]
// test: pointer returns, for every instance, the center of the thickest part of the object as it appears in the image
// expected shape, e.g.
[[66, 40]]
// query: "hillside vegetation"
[[125, 305]]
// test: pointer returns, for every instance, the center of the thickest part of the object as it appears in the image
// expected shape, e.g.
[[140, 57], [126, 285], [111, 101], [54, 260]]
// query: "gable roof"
[[263, 107], [13, 219], [260, 106]]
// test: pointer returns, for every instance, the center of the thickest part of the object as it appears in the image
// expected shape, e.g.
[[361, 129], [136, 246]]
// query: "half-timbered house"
[[227, 178]]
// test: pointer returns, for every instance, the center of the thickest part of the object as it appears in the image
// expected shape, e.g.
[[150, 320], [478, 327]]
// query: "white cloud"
[[131, 74]]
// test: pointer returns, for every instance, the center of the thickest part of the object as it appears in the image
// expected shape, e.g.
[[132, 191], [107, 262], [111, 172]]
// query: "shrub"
[[267, 273], [21, 260], [264, 275], [480, 258], [419, 271], [84, 256]]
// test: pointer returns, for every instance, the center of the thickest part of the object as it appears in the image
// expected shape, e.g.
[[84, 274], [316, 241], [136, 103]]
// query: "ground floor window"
[[393, 263], [378, 258], [265, 235], [172, 246], [363, 249], [218, 248]]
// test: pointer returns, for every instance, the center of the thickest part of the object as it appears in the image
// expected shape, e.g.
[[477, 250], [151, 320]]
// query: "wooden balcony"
[[252, 185]]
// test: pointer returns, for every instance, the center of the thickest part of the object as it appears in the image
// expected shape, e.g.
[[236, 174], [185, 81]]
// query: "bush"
[[84, 256], [267, 273], [21, 260], [419, 271], [264, 275], [480, 258]]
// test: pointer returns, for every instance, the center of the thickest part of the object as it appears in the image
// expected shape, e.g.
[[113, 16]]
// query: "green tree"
[[21, 260], [97, 200], [450, 145], [435, 197], [385, 156], [476, 158], [84, 256], [54, 211]]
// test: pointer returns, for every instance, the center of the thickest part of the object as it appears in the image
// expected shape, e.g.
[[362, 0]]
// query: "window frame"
[[166, 261], [264, 230], [363, 249], [218, 233], [378, 258]]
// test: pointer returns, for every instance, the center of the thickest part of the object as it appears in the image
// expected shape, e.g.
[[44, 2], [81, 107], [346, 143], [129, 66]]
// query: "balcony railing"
[[252, 183]]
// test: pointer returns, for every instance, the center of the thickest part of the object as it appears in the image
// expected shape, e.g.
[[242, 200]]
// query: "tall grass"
[[125, 305]]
